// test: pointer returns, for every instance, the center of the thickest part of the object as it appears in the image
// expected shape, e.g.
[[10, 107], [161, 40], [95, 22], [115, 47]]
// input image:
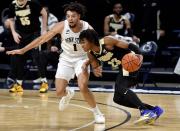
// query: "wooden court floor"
[[32, 111]]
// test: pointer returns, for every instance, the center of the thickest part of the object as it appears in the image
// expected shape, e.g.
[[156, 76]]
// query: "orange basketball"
[[131, 62]]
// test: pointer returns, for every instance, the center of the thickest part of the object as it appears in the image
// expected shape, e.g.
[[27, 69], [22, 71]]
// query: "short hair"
[[77, 7], [115, 3], [91, 35]]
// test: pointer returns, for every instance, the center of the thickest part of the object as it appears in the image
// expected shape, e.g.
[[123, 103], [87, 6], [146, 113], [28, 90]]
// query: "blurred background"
[[154, 15]]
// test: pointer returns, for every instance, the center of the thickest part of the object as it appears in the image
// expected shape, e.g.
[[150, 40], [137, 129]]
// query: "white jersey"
[[72, 50]]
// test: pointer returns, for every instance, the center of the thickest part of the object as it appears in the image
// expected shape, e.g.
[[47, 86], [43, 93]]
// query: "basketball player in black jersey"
[[25, 27], [117, 23], [111, 50]]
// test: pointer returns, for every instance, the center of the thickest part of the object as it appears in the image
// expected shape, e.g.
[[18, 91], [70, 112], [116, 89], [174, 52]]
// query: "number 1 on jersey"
[[75, 47]]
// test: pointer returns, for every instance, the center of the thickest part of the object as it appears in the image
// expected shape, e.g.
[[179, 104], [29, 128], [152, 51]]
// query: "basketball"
[[131, 62]]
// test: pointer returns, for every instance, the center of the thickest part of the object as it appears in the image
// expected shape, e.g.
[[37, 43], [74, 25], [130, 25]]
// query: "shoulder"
[[108, 40], [84, 22], [123, 17], [108, 17], [13, 3], [86, 25]]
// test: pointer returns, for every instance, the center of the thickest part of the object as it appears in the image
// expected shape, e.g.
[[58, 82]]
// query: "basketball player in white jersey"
[[71, 59]]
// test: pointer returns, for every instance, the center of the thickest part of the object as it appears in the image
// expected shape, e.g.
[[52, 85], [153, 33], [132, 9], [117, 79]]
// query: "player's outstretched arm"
[[38, 41]]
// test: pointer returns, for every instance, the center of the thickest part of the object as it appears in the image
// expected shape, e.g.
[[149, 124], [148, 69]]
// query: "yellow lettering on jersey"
[[23, 12], [25, 21], [114, 62], [106, 57]]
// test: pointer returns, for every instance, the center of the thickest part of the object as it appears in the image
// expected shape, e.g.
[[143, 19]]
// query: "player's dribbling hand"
[[13, 52], [97, 71]]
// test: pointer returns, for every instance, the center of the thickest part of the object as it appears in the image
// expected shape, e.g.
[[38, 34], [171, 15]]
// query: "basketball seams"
[[130, 62]]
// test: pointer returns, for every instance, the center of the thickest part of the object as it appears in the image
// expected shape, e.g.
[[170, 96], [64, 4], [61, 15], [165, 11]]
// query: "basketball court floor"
[[32, 111]]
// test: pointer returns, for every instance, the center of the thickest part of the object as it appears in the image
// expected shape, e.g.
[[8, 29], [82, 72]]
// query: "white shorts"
[[67, 70]]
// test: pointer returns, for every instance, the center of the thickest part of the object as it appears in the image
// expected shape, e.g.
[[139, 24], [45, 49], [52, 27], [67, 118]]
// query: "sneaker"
[[38, 80], [16, 88], [43, 87], [147, 117], [64, 101], [19, 88], [158, 111], [99, 127], [99, 118], [10, 82]]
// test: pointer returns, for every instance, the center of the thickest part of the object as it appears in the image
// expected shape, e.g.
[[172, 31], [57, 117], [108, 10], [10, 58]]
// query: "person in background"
[[49, 51], [7, 43], [117, 23], [25, 27]]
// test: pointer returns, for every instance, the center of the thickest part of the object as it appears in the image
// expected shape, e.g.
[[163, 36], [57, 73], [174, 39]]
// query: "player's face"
[[21, 3], [72, 18], [117, 9], [85, 44]]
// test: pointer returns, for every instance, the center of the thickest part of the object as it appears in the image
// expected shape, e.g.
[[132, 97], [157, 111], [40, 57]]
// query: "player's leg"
[[83, 78], [63, 75], [17, 87], [126, 97], [42, 63]]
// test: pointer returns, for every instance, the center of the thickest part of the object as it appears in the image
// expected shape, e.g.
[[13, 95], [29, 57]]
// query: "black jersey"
[[118, 26], [112, 57], [27, 17]]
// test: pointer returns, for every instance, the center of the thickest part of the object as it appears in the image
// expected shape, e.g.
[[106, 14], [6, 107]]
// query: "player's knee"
[[115, 99], [121, 89], [118, 99], [60, 91]]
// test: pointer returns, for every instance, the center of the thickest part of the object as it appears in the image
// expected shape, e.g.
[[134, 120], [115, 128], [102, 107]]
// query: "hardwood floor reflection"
[[32, 111]]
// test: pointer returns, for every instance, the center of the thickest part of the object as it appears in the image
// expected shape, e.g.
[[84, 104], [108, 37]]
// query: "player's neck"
[[117, 17], [77, 28]]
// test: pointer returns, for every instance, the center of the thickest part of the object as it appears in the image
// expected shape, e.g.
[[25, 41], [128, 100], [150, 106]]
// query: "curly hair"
[[77, 7], [90, 35]]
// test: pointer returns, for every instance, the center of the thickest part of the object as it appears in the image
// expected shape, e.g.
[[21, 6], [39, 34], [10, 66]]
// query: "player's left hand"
[[13, 52], [85, 65], [98, 71]]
